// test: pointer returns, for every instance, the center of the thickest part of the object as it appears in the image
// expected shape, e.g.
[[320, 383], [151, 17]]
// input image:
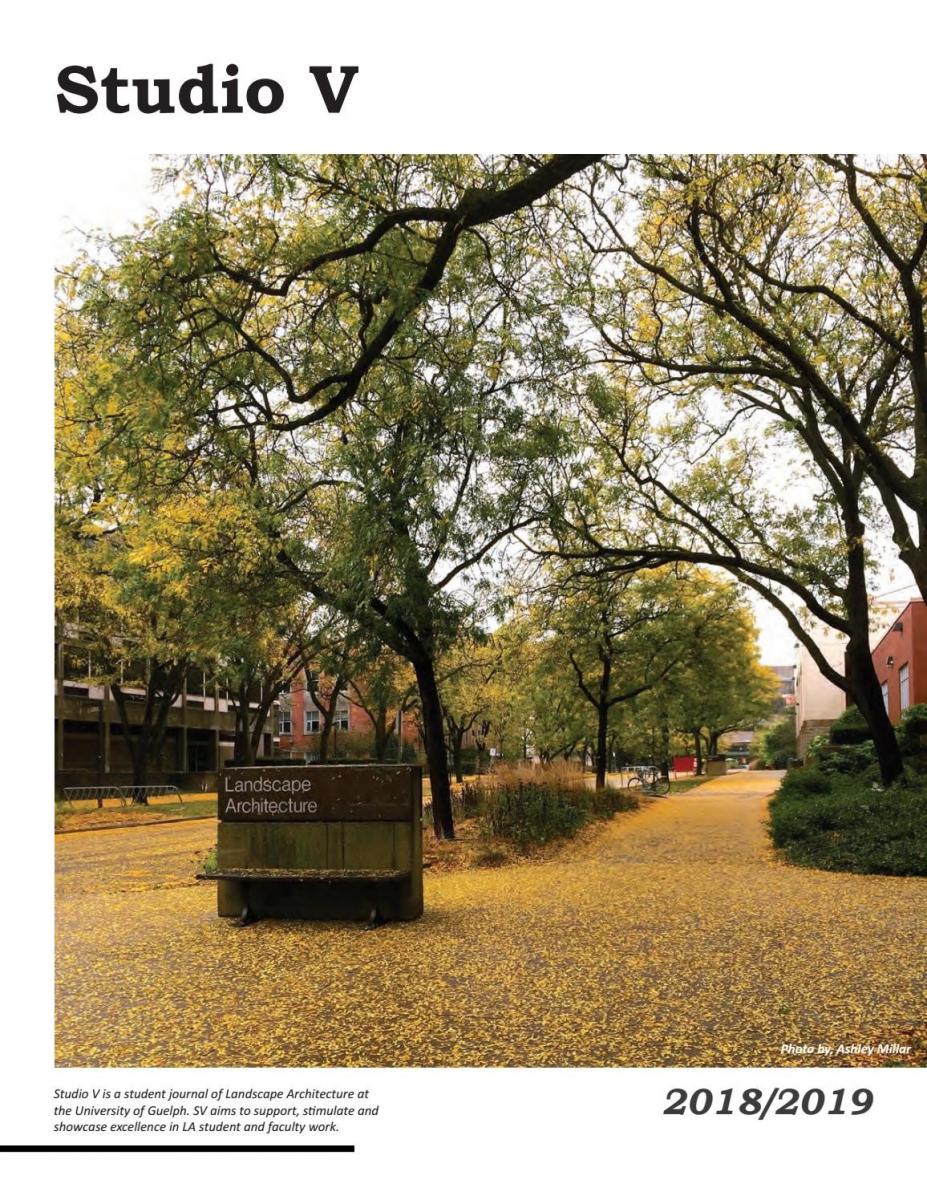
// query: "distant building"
[[818, 702], [300, 721], [786, 677], [739, 743], [900, 660], [899, 634], [91, 751]]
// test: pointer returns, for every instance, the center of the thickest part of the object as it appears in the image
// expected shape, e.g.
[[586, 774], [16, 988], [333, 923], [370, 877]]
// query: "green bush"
[[850, 728], [845, 759], [912, 730], [804, 781], [842, 823], [778, 744], [818, 743]]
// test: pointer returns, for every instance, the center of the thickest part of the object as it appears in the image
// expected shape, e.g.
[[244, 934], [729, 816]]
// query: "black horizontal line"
[[177, 1149]]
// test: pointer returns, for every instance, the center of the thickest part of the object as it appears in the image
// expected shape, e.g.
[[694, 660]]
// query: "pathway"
[[674, 937]]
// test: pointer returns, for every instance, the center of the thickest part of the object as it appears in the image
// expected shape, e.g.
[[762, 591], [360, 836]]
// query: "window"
[[904, 685], [313, 720], [285, 721], [342, 719], [885, 696]]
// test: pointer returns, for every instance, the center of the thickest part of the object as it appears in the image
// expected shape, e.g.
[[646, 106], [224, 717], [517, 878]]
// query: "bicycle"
[[648, 779]]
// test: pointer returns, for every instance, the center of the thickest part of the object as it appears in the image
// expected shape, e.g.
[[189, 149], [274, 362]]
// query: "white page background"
[[476, 77]]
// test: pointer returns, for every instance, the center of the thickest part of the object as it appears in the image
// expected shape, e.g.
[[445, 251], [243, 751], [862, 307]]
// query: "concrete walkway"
[[673, 937]]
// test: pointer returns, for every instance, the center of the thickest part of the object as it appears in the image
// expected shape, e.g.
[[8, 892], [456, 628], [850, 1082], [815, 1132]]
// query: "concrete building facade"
[[91, 751], [818, 702]]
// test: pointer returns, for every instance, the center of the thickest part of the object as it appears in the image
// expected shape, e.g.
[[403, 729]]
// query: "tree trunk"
[[457, 754], [697, 738], [139, 751], [435, 749], [862, 680], [324, 737], [601, 746], [255, 730], [144, 743], [244, 755], [866, 691], [380, 736], [664, 748]]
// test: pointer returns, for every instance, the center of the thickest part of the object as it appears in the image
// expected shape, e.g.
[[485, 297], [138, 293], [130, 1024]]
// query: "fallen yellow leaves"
[[670, 936]]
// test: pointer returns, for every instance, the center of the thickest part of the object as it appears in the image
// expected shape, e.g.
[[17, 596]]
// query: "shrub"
[[844, 759], [778, 744], [818, 743], [842, 823], [530, 813], [912, 730], [608, 801], [804, 781], [850, 728], [528, 805], [490, 856]]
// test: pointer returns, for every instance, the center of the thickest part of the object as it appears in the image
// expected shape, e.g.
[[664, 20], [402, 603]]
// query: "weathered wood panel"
[[345, 793]]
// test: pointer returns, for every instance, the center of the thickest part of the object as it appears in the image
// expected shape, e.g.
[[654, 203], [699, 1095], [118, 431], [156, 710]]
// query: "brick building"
[[300, 722], [900, 660]]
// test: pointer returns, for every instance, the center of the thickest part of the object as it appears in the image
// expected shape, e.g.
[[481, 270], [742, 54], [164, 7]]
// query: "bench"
[[245, 876], [319, 843]]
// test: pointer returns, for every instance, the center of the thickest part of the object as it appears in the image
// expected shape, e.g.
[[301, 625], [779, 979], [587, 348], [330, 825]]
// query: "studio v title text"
[[83, 89]]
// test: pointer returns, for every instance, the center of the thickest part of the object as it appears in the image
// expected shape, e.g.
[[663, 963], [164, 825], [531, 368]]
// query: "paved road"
[[671, 938]]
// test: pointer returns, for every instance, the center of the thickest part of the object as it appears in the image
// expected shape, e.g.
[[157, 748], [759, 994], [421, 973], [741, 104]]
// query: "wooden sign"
[[319, 793]]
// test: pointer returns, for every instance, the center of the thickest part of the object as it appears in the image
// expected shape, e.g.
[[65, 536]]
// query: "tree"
[[781, 296], [625, 635], [159, 571], [721, 686], [523, 709], [779, 745], [796, 284], [427, 484], [132, 620], [261, 655], [330, 654], [383, 686], [291, 306], [467, 672]]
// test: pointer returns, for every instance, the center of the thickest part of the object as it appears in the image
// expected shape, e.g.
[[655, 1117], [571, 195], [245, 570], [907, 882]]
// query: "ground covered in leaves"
[[668, 936], [70, 818]]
